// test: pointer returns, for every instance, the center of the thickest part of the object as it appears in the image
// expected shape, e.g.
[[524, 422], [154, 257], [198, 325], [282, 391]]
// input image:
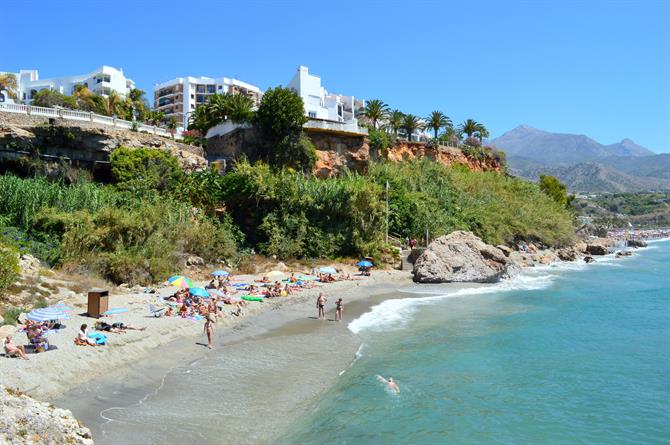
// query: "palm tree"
[[481, 132], [438, 120], [469, 127], [410, 124], [109, 105], [155, 117], [452, 136], [172, 125], [375, 110], [201, 119], [8, 83], [240, 108], [394, 121], [84, 97]]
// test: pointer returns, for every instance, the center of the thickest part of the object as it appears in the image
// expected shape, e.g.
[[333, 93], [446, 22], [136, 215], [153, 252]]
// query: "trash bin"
[[98, 302]]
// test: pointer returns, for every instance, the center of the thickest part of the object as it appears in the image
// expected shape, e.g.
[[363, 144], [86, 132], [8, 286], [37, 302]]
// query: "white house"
[[181, 96], [318, 103], [102, 81]]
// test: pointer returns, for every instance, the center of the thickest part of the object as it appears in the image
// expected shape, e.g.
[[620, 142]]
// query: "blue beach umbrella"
[[220, 273], [364, 263], [329, 270], [199, 292], [47, 313], [116, 310]]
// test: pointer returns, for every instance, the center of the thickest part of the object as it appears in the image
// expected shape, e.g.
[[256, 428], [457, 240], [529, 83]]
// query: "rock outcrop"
[[636, 243], [25, 420], [596, 249], [406, 151], [462, 257], [87, 143]]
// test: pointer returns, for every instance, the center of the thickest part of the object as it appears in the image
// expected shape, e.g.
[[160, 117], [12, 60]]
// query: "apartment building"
[[319, 104], [101, 81], [181, 96]]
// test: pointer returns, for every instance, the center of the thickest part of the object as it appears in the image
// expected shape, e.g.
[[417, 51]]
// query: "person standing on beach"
[[320, 305], [210, 319], [338, 309]]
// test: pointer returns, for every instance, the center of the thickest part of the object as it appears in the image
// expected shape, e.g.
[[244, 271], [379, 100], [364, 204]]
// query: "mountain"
[[594, 177], [561, 149], [582, 163]]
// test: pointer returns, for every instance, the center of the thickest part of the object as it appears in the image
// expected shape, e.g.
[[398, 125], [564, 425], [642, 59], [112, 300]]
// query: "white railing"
[[75, 115]]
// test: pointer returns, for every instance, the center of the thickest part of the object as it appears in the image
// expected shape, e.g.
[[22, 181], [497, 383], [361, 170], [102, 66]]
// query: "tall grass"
[[22, 199]]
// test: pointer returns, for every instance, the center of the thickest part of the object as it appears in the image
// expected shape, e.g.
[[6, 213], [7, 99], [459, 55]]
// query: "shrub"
[[144, 168], [9, 265]]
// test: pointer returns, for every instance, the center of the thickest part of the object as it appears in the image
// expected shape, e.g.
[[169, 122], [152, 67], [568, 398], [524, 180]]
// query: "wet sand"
[[263, 374]]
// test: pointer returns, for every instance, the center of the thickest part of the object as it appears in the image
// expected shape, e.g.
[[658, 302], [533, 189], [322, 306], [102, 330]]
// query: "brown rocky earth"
[[407, 151], [83, 142]]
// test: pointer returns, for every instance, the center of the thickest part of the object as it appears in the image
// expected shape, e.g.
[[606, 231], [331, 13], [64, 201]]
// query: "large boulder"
[[636, 243], [596, 249], [567, 254], [462, 257]]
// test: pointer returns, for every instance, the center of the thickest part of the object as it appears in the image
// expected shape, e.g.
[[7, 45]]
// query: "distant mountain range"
[[582, 163]]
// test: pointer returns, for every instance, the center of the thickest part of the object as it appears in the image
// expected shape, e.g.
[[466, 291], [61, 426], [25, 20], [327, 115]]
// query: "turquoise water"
[[576, 355]]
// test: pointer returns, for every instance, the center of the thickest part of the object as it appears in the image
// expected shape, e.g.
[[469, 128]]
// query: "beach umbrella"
[[328, 270], [199, 292], [180, 281], [276, 274], [47, 313], [220, 273], [116, 310], [364, 263]]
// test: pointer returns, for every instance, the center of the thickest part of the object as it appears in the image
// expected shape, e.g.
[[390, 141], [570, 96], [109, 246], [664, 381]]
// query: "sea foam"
[[396, 313]]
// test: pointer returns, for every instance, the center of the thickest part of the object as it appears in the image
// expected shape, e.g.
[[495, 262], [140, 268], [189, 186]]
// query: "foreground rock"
[[636, 243], [462, 257], [24, 420]]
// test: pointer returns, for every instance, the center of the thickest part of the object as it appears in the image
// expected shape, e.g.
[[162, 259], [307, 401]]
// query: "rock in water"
[[25, 420], [596, 249], [462, 257], [636, 243]]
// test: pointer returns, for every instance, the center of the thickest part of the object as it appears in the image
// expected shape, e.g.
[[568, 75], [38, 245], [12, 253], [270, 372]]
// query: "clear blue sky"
[[588, 67]]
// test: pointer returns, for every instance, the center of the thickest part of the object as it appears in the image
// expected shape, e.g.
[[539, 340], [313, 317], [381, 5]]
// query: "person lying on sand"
[[390, 384], [264, 280], [117, 328], [11, 350]]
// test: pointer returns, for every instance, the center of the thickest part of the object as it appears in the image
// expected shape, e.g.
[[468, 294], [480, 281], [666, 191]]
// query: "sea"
[[572, 354]]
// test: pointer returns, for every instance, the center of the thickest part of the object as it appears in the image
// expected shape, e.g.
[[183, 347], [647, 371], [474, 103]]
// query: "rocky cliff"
[[406, 151], [87, 144], [24, 420]]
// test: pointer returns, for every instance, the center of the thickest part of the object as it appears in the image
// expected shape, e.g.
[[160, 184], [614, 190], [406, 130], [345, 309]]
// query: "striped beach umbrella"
[[180, 281], [220, 273], [47, 313], [328, 270]]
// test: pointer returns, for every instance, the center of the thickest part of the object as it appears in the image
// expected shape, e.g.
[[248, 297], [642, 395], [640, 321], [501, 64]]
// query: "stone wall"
[[84, 143]]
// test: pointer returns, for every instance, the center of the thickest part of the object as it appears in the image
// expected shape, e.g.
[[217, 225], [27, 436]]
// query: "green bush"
[[11, 315], [9, 265], [144, 168]]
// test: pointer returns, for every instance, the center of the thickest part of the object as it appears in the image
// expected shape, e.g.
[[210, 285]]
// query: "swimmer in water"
[[390, 384]]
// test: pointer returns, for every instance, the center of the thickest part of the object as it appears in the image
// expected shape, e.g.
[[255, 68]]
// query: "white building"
[[181, 96], [318, 103], [102, 81]]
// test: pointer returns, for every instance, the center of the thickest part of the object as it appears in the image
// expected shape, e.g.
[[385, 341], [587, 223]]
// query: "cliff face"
[[407, 151], [335, 152], [85, 143]]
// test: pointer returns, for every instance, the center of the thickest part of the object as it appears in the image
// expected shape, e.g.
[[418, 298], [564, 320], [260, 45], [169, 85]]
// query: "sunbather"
[[12, 350], [82, 337]]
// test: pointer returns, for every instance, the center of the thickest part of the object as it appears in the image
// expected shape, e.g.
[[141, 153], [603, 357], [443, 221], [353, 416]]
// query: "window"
[[312, 114], [211, 89], [192, 107], [192, 96], [220, 87], [2, 97], [201, 98], [200, 89]]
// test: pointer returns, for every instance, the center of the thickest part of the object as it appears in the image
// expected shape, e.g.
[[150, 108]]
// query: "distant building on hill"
[[101, 81], [181, 96], [319, 104]]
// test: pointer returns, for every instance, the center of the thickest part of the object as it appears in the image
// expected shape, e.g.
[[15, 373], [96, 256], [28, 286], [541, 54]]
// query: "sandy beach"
[[50, 374]]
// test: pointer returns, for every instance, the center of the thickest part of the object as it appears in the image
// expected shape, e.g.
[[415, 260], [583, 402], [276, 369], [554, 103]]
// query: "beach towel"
[[100, 339]]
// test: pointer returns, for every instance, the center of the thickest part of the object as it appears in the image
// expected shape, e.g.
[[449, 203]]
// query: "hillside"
[[582, 163], [591, 177]]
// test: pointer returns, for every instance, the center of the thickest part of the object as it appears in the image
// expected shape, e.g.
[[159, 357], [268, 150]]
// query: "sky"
[[599, 68]]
